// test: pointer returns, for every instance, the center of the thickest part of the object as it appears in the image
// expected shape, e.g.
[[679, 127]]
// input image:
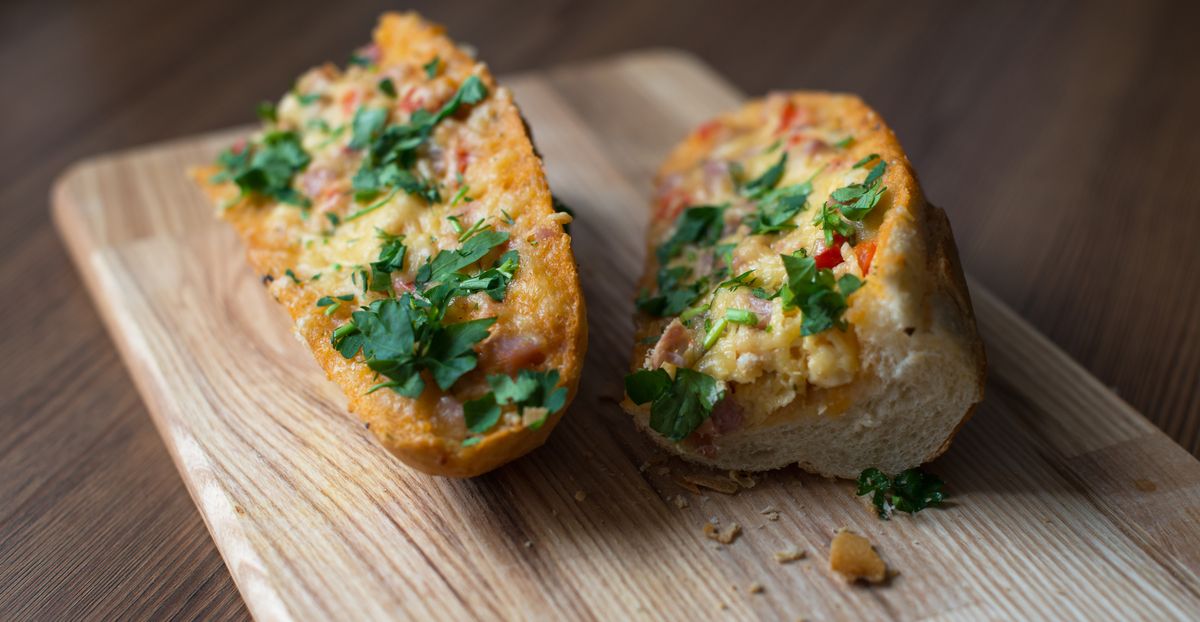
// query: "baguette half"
[[805, 308], [371, 187]]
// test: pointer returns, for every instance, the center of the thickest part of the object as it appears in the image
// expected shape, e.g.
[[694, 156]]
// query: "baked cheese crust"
[[325, 232]]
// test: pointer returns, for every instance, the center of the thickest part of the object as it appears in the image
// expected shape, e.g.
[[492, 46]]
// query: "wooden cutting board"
[[1065, 501]]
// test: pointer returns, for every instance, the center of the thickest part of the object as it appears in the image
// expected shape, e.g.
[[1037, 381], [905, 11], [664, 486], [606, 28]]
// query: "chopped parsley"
[[759, 186], [360, 60], [530, 389], [266, 168], [677, 405], [391, 259], [307, 99], [266, 112], [696, 225], [431, 68], [820, 298], [391, 150], [911, 491], [845, 142], [387, 87], [852, 202]]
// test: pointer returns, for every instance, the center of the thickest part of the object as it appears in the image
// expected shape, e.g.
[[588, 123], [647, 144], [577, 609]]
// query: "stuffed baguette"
[[398, 211], [801, 302]]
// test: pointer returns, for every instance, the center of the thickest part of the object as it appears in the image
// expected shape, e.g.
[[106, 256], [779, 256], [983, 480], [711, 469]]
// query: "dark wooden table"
[[1060, 138]]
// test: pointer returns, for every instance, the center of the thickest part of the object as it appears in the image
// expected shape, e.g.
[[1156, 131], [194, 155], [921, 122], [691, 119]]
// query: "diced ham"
[[727, 416], [314, 180], [671, 345], [762, 308], [512, 353]]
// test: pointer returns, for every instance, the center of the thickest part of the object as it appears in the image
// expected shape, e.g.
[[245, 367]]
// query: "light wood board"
[[1065, 502]]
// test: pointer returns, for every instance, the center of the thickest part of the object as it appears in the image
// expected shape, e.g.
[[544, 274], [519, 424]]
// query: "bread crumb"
[[722, 606], [529, 544], [756, 588], [580, 495], [853, 557], [724, 536], [681, 502], [743, 479], [720, 484], [771, 513], [662, 470], [645, 466], [790, 555], [1145, 485]]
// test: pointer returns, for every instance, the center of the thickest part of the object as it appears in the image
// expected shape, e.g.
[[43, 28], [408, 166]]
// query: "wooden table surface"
[[1057, 137]]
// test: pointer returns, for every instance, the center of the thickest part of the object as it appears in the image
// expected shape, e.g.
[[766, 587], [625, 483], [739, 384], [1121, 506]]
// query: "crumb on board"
[[790, 555], [722, 485], [580, 495], [529, 544], [743, 479], [770, 512], [1145, 485], [853, 557], [724, 535], [755, 588], [681, 502]]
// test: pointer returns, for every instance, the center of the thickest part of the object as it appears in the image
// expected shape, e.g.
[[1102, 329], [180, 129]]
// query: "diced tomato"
[[832, 256], [671, 204], [865, 253], [350, 100], [792, 115], [462, 158], [706, 130], [411, 101]]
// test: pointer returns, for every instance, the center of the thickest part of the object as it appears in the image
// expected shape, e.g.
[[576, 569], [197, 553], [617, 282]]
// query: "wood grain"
[[1060, 138], [1066, 501]]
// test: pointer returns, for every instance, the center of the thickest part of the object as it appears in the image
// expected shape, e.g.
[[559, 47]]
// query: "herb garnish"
[[678, 405], [431, 68], [267, 168], [911, 491], [391, 259], [759, 186], [387, 87], [392, 150], [853, 202], [530, 389], [266, 112], [821, 300]]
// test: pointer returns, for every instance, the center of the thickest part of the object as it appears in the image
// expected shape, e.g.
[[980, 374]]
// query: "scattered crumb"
[[790, 555], [686, 485], [724, 536], [722, 606], [770, 512], [681, 502], [1145, 485], [720, 484], [853, 557], [529, 544], [580, 495], [662, 470], [743, 479], [755, 588], [645, 466]]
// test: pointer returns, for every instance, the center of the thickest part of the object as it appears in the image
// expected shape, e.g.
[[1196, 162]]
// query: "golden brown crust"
[[544, 293]]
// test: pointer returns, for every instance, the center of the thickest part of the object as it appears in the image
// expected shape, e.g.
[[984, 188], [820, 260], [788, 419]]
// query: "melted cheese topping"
[[772, 364]]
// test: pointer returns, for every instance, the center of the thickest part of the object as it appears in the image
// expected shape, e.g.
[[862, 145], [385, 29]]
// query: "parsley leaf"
[[696, 225], [760, 185], [678, 406], [391, 259], [266, 112], [267, 168], [831, 222], [674, 295], [529, 389], [450, 261], [431, 68], [366, 126], [821, 300], [392, 150], [911, 491], [399, 338], [387, 87]]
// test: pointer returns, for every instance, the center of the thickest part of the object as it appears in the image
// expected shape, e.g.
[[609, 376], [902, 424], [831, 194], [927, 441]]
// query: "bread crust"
[[922, 362], [543, 302]]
